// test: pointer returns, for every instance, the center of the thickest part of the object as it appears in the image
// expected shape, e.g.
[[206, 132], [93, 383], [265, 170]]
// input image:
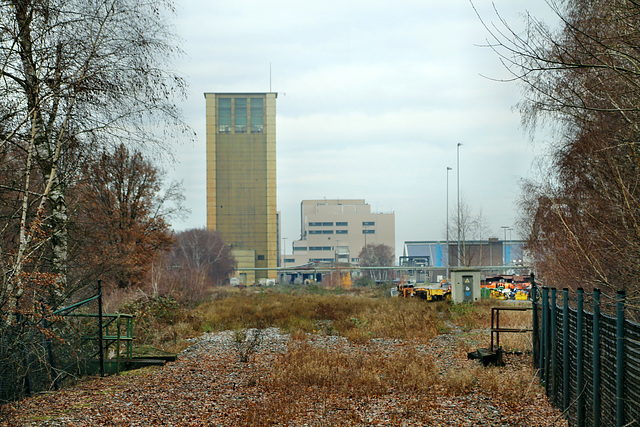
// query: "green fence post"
[[554, 346], [597, 401], [544, 357], [565, 349], [620, 359], [118, 327], [579, 357], [534, 322], [100, 341]]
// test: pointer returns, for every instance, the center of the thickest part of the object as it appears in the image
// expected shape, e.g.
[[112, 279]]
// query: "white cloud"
[[373, 97]]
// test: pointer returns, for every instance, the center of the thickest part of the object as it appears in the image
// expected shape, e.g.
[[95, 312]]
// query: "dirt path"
[[209, 386]]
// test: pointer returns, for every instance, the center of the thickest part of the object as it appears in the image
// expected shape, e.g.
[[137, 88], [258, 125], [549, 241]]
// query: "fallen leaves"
[[211, 386]]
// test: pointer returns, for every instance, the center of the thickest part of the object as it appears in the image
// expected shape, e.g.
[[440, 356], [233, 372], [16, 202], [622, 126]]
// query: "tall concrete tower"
[[241, 178]]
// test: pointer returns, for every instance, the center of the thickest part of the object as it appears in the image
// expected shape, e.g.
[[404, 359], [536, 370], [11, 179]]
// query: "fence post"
[[544, 375], [53, 378], [534, 322], [620, 360], [100, 343], [597, 401], [579, 357], [554, 346], [565, 349]]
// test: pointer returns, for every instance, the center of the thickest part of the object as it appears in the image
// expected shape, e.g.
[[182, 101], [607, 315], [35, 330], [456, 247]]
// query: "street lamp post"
[[458, 171], [448, 261]]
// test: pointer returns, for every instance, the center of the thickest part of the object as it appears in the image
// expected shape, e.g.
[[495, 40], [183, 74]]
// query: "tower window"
[[224, 115], [257, 115], [240, 110]]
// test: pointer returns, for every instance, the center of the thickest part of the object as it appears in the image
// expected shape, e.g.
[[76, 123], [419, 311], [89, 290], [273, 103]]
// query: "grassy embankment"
[[358, 316]]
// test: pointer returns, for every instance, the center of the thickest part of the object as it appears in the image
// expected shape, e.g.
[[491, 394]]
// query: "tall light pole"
[[448, 261], [458, 171]]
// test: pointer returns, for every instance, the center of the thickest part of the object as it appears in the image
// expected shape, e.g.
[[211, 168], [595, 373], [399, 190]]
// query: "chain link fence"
[[588, 356], [52, 351]]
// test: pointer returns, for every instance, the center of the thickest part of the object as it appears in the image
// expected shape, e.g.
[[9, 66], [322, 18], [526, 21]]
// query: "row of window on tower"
[[365, 231], [245, 116], [339, 224]]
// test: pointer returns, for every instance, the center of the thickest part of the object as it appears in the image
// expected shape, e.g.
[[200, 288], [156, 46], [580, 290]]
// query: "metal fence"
[[588, 356], [54, 351]]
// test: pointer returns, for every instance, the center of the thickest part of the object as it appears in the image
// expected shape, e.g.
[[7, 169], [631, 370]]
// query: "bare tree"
[[472, 226], [75, 75], [583, 214], [200, 259], [377, 255]]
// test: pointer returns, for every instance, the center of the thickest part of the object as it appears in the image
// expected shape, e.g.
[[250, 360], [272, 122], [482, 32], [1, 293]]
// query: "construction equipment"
[[432, 294], [423, 292], [497, 294]]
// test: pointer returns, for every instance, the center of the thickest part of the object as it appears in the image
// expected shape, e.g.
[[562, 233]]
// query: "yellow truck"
[[430, 294]]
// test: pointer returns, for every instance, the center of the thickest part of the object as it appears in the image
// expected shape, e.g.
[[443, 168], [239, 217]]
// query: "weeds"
[[246, 342], [294, 312], [336, 375], [353, 372], [162, 322], [461, 381]]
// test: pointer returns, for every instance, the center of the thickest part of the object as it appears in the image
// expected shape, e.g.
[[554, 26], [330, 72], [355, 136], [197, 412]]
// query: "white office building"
[[337, 230]]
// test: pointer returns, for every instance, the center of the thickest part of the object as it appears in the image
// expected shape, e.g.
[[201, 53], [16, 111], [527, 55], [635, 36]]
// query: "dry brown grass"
[[519, 342], [511, 386], [355, 317], [326, 381], [458, 381], [347, 372]]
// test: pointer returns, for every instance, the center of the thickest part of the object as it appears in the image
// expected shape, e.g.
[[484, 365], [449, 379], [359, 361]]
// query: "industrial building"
[[335, 231], [502, 254], [241, 178]]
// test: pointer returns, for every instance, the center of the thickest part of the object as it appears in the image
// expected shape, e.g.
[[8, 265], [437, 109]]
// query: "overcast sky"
[[373, 98]]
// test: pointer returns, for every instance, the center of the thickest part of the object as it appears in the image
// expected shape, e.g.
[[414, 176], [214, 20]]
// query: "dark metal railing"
[[589, 362], [77, 340]]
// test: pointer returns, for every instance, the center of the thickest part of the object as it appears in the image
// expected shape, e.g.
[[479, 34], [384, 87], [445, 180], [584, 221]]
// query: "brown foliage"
[[119, 230], [310, 379], [583, 216]]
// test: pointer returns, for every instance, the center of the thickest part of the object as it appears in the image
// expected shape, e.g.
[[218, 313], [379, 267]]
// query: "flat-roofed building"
[[473, 253], [241, 178], [337, 230]]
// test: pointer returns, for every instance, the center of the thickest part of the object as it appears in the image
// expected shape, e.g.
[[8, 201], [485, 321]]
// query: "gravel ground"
[[209, 386]]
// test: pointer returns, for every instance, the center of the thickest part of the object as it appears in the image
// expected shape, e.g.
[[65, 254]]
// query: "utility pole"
[[459, 225], [448, 260]]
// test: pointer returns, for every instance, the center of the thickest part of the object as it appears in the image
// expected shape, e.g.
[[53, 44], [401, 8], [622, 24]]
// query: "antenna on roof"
[[269, 76]]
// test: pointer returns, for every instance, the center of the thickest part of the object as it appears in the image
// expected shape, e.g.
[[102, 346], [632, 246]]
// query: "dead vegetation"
[[347, 360]]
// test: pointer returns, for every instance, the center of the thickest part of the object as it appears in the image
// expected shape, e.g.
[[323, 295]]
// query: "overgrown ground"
[[318, 358]]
